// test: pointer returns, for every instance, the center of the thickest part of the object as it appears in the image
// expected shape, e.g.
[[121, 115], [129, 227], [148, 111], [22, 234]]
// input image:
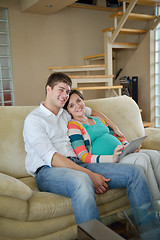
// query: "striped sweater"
[[81, 143]]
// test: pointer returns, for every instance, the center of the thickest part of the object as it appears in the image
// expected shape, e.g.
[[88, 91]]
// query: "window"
[[157, 76], [6, 82]]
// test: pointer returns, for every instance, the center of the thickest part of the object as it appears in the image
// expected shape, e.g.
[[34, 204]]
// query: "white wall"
[[64, 38]]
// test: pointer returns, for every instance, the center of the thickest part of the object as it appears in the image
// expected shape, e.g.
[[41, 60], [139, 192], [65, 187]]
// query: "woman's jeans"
[[79, 187]]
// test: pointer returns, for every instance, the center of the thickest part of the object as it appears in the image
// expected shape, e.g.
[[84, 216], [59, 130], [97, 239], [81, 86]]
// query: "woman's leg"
[[155, 161], [144, 160]]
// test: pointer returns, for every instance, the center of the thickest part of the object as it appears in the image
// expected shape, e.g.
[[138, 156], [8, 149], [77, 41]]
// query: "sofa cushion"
[[43, 205], [13, 208], [12, 187]]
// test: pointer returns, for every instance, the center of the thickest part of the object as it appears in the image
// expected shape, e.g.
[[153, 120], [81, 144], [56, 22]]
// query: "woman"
[[94, 141]]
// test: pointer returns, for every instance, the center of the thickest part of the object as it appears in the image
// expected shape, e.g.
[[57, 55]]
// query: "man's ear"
[[48, 89]]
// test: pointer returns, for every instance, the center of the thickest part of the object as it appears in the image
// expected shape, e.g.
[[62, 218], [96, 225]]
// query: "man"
[[50, 158]]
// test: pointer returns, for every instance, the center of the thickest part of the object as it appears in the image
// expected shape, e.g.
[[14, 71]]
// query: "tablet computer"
[[132, 146]]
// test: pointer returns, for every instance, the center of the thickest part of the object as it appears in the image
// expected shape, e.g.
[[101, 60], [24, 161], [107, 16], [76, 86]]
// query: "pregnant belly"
[[105, 145]]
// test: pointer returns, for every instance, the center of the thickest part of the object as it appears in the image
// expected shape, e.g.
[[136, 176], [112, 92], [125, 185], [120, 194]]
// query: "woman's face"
[[76, 106]]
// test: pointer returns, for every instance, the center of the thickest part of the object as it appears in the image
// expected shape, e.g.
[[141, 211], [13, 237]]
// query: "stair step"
[[98, 88], [126, 30], [116, 45], [135, 16], [78, 68], [145, 2], [120, 45], [98, 56], [112, 88], [105, 79], [90, 76]]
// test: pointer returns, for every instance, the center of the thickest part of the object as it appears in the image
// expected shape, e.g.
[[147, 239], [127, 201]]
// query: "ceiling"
[[48, 7], [44, 6]]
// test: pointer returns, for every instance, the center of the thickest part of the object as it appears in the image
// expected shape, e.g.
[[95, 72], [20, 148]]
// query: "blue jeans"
[[79, 187]]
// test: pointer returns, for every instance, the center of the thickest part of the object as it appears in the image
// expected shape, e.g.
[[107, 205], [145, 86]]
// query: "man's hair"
[[71, 93], [57, 77]]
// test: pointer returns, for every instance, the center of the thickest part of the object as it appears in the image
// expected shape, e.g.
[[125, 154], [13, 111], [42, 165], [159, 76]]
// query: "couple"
[[51, 159]]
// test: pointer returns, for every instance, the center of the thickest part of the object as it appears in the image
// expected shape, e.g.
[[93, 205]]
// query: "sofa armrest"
[[153, 139], [12, 187]]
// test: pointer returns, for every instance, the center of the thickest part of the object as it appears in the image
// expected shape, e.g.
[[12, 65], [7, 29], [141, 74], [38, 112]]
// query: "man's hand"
[[99, 182], [117, 153]]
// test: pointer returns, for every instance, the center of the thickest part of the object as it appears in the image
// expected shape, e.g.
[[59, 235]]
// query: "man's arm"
[[109, 123], [98, 180]]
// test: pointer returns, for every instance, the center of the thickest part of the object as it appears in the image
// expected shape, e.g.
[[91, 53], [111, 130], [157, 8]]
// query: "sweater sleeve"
[[81, 146]]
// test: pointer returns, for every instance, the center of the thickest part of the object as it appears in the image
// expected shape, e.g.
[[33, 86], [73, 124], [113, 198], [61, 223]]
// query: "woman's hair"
[[72, 92]]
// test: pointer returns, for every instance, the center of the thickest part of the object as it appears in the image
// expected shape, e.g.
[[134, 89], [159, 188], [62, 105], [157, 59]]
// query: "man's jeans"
[[79, 187]]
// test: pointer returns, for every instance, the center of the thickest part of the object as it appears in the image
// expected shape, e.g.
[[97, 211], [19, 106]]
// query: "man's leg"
[[145, 159], [73, 184], [133, 178], [125, 175]]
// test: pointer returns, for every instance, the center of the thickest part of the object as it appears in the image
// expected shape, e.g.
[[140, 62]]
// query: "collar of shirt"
[[47, 112]]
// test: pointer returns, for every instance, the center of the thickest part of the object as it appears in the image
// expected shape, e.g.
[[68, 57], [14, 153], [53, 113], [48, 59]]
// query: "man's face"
[[58, 95]]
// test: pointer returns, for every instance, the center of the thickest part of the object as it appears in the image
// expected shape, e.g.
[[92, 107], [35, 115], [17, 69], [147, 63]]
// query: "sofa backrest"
[[12, 153], [123, 111]]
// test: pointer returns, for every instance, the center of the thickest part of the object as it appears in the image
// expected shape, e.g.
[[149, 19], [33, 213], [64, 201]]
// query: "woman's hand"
[[99, 183], [138, 149], [117, 152]]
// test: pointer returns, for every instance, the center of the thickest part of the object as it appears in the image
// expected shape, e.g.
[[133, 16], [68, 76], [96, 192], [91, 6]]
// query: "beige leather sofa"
[[26, 213]]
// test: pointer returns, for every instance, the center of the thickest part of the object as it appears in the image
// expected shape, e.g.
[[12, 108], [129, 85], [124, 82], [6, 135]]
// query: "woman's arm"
[[109, 123], [81, 146]]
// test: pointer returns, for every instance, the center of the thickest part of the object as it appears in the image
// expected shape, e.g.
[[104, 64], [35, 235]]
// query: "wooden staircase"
[[111, 33], [86, 73]]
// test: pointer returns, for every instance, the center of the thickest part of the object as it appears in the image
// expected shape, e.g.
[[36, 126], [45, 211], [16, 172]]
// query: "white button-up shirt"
[[44, 134]]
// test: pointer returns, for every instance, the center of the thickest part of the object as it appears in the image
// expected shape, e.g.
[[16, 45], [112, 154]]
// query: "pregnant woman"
[[94, 142]]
